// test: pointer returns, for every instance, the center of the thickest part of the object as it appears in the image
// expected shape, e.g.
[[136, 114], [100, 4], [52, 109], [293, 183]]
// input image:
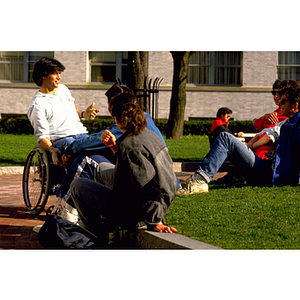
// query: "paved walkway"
[[16, 223]]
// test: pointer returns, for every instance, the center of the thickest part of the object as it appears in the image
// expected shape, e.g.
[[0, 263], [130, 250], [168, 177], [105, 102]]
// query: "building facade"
[[241, 81]]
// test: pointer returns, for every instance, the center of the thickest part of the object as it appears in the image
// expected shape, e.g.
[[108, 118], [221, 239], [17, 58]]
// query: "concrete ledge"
[[144, 239], [191, 166], [177, 167], [11, 170]]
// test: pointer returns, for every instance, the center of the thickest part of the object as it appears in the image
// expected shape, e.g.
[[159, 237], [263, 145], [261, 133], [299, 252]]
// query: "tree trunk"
[[175, 124], [138, 70]]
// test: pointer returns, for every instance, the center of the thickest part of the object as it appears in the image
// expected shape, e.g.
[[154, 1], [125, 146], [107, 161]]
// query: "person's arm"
[[153, 208], [271, 117], [92, 144], [255, 142], [88, 114], [109, 140], [47, 145]]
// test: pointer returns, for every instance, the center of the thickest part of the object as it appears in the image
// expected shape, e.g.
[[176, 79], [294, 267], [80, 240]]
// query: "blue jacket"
[[93, 144], [287, 164]]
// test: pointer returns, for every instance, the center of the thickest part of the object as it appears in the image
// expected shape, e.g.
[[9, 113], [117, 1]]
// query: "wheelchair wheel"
[[36, 180]]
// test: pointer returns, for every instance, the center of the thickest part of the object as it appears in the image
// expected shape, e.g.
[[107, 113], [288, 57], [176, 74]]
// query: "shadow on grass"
[[10, 162]]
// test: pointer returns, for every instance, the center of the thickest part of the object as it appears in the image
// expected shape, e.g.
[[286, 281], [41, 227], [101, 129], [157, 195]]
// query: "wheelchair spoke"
[[35, 186]]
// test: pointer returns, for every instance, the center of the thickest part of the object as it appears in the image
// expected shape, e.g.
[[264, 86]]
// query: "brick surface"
[[16, 222]]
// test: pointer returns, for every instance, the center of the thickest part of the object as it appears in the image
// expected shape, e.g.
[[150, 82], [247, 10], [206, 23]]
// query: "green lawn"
[[189, 148], [15, 148], [242, 217]]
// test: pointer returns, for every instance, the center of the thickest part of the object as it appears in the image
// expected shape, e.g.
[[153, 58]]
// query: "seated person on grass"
[[221, 124], [268, 120], [282, 169]]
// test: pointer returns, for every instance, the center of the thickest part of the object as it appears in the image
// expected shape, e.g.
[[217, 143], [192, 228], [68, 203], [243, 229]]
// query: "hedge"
[[202, 127], [21, 125]]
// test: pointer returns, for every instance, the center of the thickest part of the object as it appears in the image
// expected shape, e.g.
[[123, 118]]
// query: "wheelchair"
[[41, 178]]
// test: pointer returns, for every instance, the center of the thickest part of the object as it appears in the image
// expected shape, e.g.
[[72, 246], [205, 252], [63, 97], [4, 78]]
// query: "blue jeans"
[[83, 166], [62, 143], [94, 204], [255, 170]]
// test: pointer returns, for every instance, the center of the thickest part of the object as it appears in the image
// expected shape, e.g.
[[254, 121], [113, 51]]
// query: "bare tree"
[[138, 71], [181, 61]]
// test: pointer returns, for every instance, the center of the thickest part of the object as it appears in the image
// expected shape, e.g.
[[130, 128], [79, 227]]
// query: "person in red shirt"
[[221, 124], [269, 120]]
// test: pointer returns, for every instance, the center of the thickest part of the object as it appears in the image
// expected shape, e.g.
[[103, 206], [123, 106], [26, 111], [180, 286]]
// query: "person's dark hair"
[[277, 84], [128, 113], [44, 67], [223, 111], [291, 89], [117, 89]]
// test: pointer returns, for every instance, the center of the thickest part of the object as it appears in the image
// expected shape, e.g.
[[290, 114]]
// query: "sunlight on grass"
[[240, 218], [189, 148], [15, 148]]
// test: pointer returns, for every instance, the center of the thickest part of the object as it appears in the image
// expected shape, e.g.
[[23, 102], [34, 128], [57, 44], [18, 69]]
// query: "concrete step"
[[144, 239], [11, 170], [177, 166]]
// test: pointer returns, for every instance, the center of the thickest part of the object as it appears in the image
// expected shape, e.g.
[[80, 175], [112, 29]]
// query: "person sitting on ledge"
[[282, 168], [221, 124], [144, 183]]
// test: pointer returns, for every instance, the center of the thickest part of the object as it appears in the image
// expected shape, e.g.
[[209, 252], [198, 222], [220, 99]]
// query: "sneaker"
[[37, 228], [69, 213], [192, 186]]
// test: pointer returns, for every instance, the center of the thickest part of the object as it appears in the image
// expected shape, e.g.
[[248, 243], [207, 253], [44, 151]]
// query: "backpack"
[[58, 233]]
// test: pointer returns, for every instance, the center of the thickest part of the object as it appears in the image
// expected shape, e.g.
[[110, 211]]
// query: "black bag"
[[58, 233]]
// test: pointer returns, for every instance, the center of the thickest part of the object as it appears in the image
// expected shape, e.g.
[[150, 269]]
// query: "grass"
[[242, 217], [189, 148], [15, 148]]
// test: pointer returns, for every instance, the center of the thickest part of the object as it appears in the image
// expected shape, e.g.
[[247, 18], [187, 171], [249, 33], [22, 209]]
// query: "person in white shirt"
[[52, 111]]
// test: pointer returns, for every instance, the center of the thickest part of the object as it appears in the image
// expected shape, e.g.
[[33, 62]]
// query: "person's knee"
[[76, 186]]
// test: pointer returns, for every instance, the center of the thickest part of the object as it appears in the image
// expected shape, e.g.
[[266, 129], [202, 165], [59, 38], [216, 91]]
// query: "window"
[[17, 66], [288, 65], [108, 66], [215, 68]]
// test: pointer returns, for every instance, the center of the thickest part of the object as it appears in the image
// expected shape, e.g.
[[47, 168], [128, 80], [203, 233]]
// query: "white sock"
[[199, 178]]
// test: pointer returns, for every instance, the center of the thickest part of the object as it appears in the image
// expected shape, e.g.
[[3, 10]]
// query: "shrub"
[[202, 127], [97, 124], [21, 125]]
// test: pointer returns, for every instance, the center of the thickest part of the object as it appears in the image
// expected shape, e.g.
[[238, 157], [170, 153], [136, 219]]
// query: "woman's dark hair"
[[44, 67], [223, 111], [291, 89], [128, 113]]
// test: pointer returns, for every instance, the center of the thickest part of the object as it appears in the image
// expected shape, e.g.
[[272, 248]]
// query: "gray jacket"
[[144, 180]]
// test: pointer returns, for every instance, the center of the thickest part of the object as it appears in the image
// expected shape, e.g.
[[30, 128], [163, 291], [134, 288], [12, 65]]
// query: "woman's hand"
[[271, 117], [108, 139], [160, 227]]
